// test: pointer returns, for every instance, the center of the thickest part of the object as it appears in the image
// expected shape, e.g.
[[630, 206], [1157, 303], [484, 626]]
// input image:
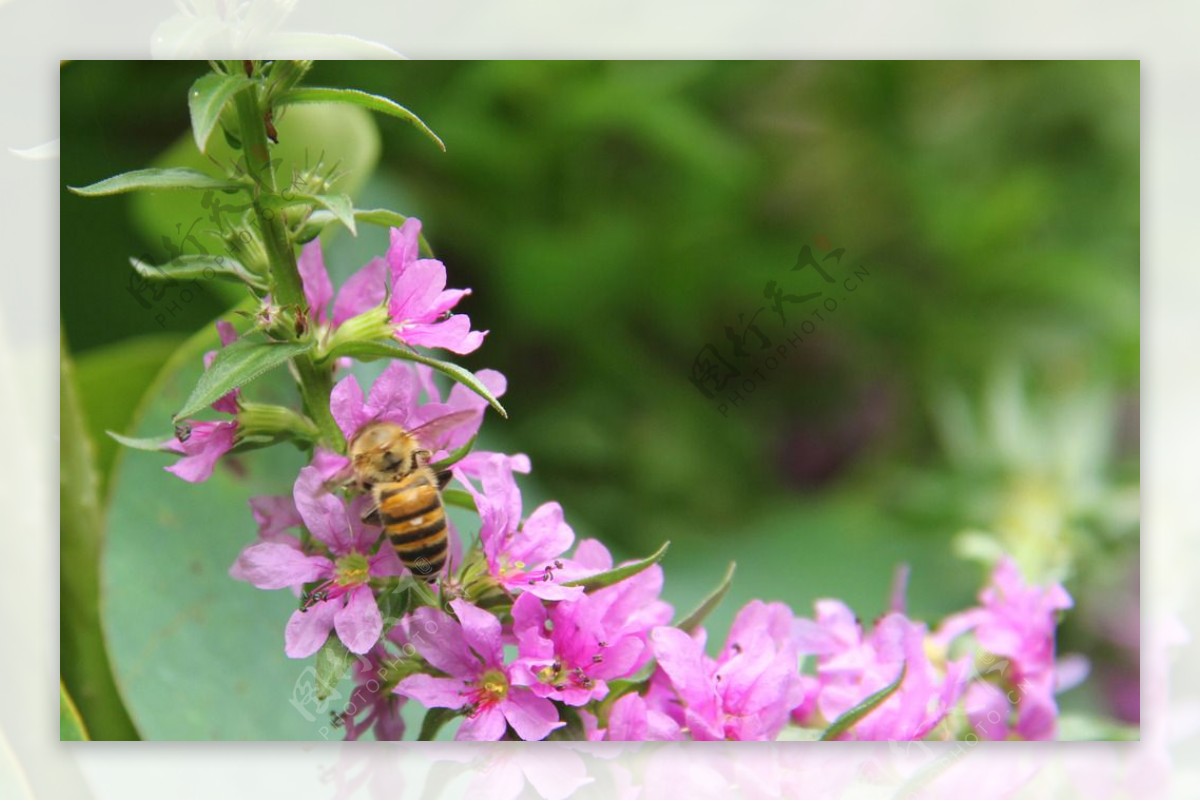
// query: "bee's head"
[[381, 449]]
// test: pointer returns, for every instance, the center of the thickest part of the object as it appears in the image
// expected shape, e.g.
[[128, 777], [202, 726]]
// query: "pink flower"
[[748, 691], [568, 653], [633, 719], [344, 602], [632, 606], [469, 651], [851, 667], [522, 556], [370, 706], [364, 290], [203, 443], [1016, 621], [418, 303], [274, 515]]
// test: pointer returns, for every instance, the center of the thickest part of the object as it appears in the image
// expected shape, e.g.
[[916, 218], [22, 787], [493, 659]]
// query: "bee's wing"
[[431, 435]]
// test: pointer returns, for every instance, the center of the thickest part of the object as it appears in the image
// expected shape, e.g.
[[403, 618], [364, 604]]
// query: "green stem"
[[316, 383]]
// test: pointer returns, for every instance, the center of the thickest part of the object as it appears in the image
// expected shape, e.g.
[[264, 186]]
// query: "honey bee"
[[392, 464]]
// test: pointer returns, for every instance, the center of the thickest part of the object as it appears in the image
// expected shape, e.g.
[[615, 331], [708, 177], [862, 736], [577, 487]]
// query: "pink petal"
[[529, 618], [432, 691], [592, 555], [446, 300], [439, 638], [227, 403], [1037, 713], [472, 465], [633, 605], [404, 244], [386, 563], [549, 591], [532, 718], [208, 443], [327, 463], [414, 290], [273, 566], [620, 659], [227, 333], [487, 725], [359, 623], [346, 404], [682, 659], [362, 291], [323, 512], [987, 711], [393, 396], [453, 334], [1070, 671], [628, 719], [307, 630], [481, 630], [315, 279], [274, 515], [544, 537]]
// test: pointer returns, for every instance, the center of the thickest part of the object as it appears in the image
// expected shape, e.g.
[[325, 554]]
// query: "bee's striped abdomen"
[[413, 517]]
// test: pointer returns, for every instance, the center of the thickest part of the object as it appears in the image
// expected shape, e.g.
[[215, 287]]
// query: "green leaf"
[[333, 660], [155, 444], [207, 98], [155, 179], [317, 221], [610, 577], [370, 351], [460, 498], [198, 267], [312, 94], [236, 366], [455, 456], [434, 720], [84, 659], [390, 219], [340, 206], [868, 705], [697, 615], [70, 724]]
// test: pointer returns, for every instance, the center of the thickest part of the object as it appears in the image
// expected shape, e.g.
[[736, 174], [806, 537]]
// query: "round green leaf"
[[198, 655]]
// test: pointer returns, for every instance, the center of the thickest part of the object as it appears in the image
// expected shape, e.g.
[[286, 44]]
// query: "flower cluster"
[[527, 633]]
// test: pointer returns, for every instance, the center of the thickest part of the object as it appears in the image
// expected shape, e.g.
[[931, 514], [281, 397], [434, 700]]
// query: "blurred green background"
[[976, 393]]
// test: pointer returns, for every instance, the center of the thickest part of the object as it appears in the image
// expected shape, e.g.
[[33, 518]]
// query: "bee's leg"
[[443, 478], [421, 458]]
